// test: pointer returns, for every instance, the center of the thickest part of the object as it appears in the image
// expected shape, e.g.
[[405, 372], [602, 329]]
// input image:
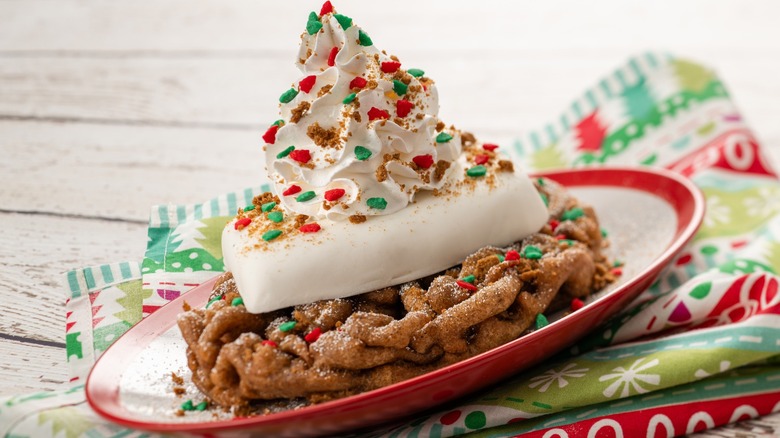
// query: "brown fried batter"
[[349, 345]]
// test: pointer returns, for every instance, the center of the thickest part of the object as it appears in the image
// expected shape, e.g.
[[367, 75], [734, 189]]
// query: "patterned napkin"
[[698, 349]]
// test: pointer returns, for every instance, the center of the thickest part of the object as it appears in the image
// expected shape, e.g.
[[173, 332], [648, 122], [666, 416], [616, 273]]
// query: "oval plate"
[[650, 215]]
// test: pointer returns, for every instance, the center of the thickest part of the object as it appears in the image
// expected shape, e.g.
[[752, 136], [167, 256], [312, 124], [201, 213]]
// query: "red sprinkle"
[[358, 82], [512, 255], [390, 66], [489, 146], [241, 223], [560, 236], [616, 272], [313, 335], [301, 155], [423, 161], [310, 228], [576, 304], [270, 135], [376, 113], [307, 83], [332, 56], [293, 189], [554, 224], [403, 108], [270, 343], [334, 194], [481, 159], [327, 8], [467, 285]]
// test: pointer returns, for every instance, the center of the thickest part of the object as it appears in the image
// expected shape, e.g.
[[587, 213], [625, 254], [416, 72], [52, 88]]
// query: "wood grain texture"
[[119, 172], [249, 25], [36, 253], [29, 368]]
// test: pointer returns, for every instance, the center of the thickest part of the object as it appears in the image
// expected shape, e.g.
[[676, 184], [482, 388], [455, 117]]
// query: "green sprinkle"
[[617, 263], [362, 153], [567, 241], [501, 258], [476, 171], [313, 25], [540, 181], [468, 279], [285, 152], [271, 235], [343, 20], [279, 123], [187, 406], [532, 252], [604, 232], [574, 213], [399, 87], [545, 199], [443, 137], [364, 39], [377, 203], [249, 208], [212, 301], [350, 97], [202, 406], [275, 216], [305, 196], [416, 72], [288, 95], [268, 206], [541, 321], [287, 326], [237, 301]]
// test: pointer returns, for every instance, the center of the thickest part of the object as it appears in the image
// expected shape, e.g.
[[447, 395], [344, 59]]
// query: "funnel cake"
[[260, 363]]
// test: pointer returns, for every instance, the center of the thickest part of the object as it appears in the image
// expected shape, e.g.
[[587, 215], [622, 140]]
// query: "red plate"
[[650, 215]]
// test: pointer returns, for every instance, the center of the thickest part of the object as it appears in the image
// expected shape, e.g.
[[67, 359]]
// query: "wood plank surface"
[[119, 172], [38, 251], [243, 26], [30, 367]]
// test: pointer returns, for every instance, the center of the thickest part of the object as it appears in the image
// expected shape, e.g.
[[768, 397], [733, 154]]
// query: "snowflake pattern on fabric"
[[630, 379], [547, 378]]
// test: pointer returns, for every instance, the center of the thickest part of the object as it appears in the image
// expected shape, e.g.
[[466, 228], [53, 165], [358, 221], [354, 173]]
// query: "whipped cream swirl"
[[360, 134]]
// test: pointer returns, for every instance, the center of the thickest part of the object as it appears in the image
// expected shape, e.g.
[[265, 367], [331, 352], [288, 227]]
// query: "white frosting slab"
[[345, 259]]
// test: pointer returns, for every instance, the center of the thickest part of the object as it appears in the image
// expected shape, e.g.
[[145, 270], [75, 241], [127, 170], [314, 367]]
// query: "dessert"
[[395, 244]]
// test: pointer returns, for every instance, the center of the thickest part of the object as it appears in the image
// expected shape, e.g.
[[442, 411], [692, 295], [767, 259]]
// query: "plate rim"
[[106, 402]]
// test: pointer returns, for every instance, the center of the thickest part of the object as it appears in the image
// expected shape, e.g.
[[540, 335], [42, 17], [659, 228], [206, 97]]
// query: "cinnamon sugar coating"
[[382, 337]]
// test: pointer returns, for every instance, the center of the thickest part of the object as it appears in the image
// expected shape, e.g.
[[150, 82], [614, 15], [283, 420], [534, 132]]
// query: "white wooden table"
[[107, 108]]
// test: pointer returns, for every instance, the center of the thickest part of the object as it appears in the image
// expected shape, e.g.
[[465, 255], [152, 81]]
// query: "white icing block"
[[344, 259]]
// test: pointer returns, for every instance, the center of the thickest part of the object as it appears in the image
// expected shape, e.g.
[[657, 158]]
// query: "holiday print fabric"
[[698, 349]]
